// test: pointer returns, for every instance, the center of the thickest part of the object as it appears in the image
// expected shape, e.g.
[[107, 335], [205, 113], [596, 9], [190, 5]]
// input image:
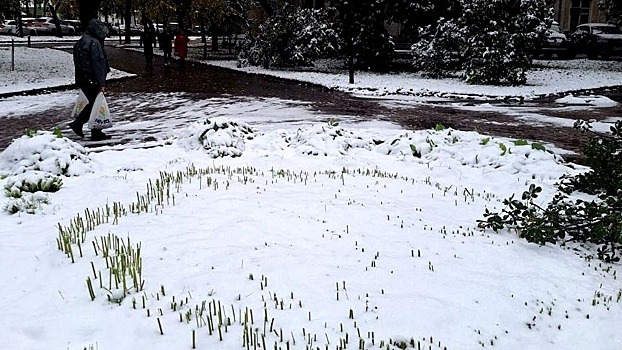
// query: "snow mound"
[[32, 181], [32, 167], [325, 139], [220, 137], [28, 192], [464, 148], [47, 152], [591, 100]]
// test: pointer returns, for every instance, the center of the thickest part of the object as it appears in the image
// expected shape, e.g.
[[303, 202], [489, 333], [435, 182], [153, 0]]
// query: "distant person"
[[166, 44], [181, 47], [149, 41], [91, 69]]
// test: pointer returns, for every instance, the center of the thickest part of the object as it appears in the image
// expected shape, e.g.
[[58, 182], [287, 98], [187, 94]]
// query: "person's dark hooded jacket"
[[89, 57]]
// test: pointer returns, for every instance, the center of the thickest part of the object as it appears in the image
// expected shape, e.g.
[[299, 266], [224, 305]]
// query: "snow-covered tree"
[[503, 34], [416, 15], [363, 34], [293, 37], [443, 52], [495, 38], [612, 9]]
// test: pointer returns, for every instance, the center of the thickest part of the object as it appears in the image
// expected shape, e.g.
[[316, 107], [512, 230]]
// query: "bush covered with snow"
[[220, 137], [33, 165], [32, 181], [294, 37], [325, 139], [27, 192], [44, 151], [494, 41], [441, 53]]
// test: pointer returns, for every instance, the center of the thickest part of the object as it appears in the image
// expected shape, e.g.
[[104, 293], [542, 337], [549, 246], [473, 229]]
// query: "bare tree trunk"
[[215, 33], [128, 20], [54, 10]]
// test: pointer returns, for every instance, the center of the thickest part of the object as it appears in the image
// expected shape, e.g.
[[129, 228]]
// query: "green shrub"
[[40, 182], [566, 219]]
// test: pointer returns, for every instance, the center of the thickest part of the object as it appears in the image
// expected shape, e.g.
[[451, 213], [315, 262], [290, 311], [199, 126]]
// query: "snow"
[[317, 232], [26, 69], [540, 82]]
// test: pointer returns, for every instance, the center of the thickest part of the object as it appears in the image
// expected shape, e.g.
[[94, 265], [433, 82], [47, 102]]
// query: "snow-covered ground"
[[25, 69], [551, 79], [307, 234]]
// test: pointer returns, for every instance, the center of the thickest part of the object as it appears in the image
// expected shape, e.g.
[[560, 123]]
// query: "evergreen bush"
[[491, 41], [593, 217], [293, 37]]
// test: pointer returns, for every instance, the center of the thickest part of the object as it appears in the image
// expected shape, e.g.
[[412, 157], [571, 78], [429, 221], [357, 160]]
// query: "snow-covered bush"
[[220, 137], [325, 139], [28, 203], [504, 34], [612, 9], [27, 192], [33, 165], [495, 38], [294, 37], [32, 181], [47, 152], [441, 52]]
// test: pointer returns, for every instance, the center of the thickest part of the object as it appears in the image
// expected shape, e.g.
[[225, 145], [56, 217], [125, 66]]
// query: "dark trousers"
[[167, 56], [149, 54], [91, 92]]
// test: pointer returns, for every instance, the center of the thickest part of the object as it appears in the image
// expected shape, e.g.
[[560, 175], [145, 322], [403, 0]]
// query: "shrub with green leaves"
[[219, 137], [294, 37], [28, 203], [490, 42], [568, 218], [31, 182]]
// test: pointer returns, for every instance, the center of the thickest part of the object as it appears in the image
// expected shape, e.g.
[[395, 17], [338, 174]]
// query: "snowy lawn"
[[331, 235], [554, 77], [29, 68]]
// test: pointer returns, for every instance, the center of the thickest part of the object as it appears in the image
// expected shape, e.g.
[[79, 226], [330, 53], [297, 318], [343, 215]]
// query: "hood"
[[609, 36], [97, 29], [555, 35]]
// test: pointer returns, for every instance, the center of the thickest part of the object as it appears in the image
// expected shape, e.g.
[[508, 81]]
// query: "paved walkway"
[[149, 96]]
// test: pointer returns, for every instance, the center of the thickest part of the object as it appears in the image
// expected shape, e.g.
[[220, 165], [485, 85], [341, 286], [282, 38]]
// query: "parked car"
[[597, 39], [119, 29], [555, 42], [10, 27], [75, 23], [47, 25], [172, 25]]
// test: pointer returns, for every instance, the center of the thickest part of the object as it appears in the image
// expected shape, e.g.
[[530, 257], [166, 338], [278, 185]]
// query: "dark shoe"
[[77, 129], [98, 135]]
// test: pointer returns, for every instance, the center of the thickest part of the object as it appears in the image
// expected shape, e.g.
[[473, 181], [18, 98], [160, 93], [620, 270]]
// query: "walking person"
[[149, 41], [181, 47], [91, 69], [166, 44]]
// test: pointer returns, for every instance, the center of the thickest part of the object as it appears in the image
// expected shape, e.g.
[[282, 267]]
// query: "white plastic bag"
[[100, 115], [81, 102]]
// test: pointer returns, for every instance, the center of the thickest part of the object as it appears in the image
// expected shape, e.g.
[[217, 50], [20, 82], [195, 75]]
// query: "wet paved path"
[[148, 97]]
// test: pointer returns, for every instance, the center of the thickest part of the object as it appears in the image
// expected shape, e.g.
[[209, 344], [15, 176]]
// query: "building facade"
[[570, 13]]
